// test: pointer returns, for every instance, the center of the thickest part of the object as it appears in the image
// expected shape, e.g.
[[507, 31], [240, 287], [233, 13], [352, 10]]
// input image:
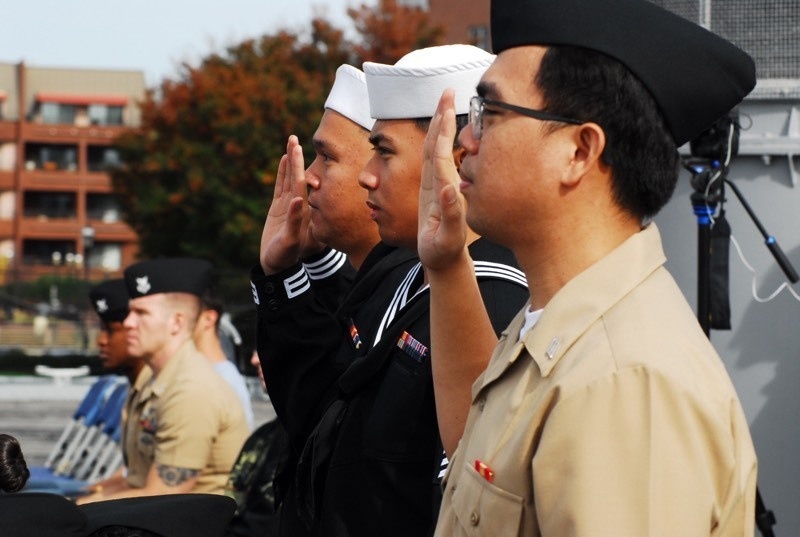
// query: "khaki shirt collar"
[[144, 376], [173, 367], [571, 311]]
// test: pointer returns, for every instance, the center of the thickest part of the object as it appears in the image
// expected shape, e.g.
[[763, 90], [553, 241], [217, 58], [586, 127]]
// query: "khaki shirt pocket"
[[484, 509]]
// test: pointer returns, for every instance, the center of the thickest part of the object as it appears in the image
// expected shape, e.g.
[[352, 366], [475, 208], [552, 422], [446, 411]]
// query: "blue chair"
[[101, 435], [84, 416], [109, 459], [75, 456]]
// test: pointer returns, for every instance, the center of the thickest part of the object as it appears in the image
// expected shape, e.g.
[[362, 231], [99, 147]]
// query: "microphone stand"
[[769, 240], [708, 183]]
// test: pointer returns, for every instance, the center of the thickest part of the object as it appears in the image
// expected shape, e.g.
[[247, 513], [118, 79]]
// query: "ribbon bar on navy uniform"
[[412, 347]]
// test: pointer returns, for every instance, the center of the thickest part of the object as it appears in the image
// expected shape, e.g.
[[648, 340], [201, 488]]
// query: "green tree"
[[198, 174]]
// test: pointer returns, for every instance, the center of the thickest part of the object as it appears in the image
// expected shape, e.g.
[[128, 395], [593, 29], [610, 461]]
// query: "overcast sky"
[[154, 36]]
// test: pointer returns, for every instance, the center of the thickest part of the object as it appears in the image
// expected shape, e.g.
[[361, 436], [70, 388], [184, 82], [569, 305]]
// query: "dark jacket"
[[371, 460], [252, 482]]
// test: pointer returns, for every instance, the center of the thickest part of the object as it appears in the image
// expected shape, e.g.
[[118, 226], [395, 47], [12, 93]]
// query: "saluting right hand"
[[442, 231], [285, 235]]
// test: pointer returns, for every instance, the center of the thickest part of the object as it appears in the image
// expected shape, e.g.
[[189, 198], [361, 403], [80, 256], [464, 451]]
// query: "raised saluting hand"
[[286, 238], [442, 231]]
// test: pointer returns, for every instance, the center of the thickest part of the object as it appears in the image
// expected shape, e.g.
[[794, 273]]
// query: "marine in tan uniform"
[[189, 425], [110, 301], [604, 409]]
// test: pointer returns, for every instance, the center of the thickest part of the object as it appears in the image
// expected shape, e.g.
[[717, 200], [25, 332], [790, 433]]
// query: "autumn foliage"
[[391, 31], [198, 173]]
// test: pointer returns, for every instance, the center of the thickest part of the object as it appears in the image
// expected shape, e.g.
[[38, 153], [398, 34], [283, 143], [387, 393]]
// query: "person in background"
[[110, 301], [252, 482], [14, 471], [256, 363], [604, 409], [191, 426], [207, 340]]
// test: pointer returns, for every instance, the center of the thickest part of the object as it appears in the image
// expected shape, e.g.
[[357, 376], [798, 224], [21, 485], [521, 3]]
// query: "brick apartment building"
[[57, 211], [464, 22]]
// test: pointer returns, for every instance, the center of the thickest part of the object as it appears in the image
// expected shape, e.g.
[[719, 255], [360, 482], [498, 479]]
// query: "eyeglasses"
[[477, 104]]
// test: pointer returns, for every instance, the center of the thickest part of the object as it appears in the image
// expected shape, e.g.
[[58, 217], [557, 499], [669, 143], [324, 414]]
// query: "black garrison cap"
[[170, 515], [110, 300], [168, 275], [695, 76]]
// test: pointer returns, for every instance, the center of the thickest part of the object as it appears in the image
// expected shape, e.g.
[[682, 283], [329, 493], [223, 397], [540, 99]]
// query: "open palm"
[[442, 231], [286, 238]]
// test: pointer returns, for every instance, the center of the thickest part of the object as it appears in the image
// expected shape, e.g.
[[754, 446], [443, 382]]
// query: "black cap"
[[170, 515], [168, 275], [110, 300], [38, 514], [695, 76]]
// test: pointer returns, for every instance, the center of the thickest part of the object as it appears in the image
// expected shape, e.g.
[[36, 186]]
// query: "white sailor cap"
[[348, 96], [411, 88]]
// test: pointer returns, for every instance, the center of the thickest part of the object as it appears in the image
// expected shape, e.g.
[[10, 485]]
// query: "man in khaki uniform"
[[110, 301], [190, 424], [604, 410]]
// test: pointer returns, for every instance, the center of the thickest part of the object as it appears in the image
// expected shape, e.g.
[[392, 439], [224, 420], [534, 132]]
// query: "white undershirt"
[[531, 317]]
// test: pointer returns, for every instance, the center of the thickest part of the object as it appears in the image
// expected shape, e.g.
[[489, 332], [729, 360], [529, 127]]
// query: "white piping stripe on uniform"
[[500, 271], [443, 465], [483, 269], [254, 289], [297, 284], [327, 266], [399, 300], [324, 261]]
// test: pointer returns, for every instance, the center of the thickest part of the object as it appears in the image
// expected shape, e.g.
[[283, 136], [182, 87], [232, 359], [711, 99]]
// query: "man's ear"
[[176, 322], [458, 155], [590, 141], [208, 318]]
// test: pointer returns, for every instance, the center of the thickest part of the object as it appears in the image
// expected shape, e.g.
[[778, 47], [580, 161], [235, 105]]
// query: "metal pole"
[[704, 15]]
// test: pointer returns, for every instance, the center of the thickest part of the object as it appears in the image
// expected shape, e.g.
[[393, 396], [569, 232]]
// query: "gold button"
[[474, 518]]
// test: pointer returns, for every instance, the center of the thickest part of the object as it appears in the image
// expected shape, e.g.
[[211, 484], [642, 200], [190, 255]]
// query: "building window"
[[6, 253], [8, 156], [51, 157], [58, 114], [46, 252], [102, 114], [8, 204], [102, 207], [106, 255], [479, 36], [47, 205], [102, 158]]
